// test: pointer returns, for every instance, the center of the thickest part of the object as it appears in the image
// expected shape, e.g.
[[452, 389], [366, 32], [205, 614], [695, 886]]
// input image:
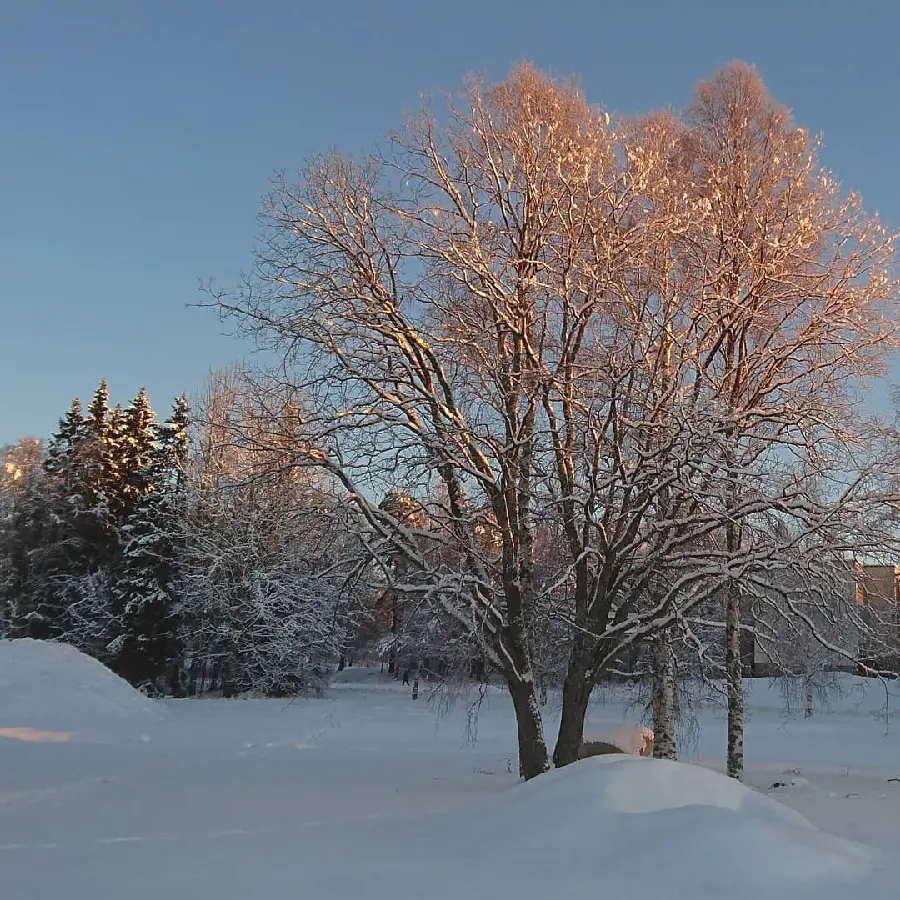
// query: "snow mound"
[[53, 692], [627, 828]]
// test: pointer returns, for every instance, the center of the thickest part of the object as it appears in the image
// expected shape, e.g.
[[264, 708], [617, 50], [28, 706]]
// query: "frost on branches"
[[640, 338], [266, 601]]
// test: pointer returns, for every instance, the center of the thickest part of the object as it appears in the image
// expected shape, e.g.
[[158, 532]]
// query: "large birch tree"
[[641, 337]]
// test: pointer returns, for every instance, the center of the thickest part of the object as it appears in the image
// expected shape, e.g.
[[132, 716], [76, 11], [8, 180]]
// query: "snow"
[[637, 828], [52, 692], [367, 793]]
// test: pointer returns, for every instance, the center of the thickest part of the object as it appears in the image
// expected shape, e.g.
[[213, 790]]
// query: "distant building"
[[862, 624], [878, 593], [878, 588]]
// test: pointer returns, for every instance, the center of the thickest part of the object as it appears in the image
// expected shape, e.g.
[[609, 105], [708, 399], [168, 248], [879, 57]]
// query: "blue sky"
[[138, 138]]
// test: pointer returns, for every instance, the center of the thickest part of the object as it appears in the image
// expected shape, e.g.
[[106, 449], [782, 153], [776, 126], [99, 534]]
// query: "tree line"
[[87, 538], [168, 551]]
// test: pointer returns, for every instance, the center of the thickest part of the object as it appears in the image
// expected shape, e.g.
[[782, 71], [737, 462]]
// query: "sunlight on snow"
[[35, 736]]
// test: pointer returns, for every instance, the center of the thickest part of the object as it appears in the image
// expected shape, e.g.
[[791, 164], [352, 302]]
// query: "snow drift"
[[634, 828], [52, 692]]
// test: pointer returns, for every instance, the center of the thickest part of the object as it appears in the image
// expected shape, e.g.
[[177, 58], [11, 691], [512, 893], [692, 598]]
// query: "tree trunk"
[[533, 758], [192, 672], [395, 634], [575, 697], [665, 712], [735, 682], [176, 679]]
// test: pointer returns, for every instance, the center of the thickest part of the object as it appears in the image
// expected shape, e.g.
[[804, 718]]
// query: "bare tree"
[[17, 460], [761, 301], [796, 296], [429, 295], [643, 338], [265, 593]]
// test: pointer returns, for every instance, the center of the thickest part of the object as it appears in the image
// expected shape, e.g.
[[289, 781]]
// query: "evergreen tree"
[[173, 485], [64, 443], [24, 524], [48, 519], [138, 452], [98, 410], [118, 425], [100, 455], [146, 585], [73, 531], [174, 440]]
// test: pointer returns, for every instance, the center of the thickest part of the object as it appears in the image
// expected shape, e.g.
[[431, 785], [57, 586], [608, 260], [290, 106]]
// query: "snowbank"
[[634, 828], [52, 692]]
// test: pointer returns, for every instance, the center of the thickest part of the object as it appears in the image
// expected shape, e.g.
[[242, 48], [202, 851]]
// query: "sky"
[[138, 139]]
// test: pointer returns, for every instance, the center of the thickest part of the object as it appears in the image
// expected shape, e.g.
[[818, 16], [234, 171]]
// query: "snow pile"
[[50, 692], [633, 828]]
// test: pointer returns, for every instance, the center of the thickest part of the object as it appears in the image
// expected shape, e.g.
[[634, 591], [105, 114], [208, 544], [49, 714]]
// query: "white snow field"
[[369, 794]]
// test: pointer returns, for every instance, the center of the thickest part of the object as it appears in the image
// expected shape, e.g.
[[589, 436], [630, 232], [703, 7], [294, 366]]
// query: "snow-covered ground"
[[367, 793]]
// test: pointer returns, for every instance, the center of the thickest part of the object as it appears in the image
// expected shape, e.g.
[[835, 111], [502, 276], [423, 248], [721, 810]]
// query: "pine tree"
[[98, 411], [49, 541], [118, 425], [102, 450], [76, 550], [174, 449], [89, 544], [138, 449], [63, 445], [24, 522], [143, 594], [146, 589], [100, 455], [173, 440]]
